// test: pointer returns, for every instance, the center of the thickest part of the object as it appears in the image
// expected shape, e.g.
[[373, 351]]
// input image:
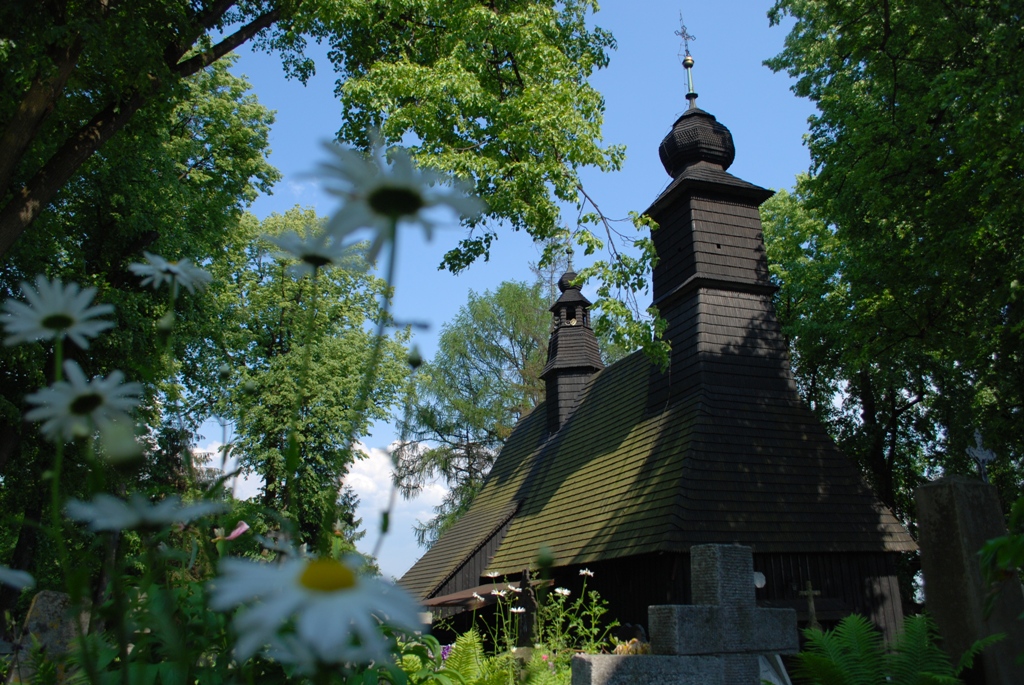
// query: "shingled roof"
[[718, 448], [618, 481]]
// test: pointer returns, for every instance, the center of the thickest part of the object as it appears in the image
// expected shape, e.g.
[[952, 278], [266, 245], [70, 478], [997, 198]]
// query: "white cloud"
[[370, 478], [303, 189], [243, 486]]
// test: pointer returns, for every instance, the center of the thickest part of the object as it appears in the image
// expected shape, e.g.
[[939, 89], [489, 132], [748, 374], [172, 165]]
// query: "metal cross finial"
[[981, 455], [686, 37]]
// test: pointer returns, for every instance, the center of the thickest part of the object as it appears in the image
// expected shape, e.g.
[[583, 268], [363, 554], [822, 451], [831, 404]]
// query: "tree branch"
[[239, 37], [30, 200], [37, 104]]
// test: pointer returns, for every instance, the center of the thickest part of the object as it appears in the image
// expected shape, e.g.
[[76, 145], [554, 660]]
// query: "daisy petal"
[[54, 311]]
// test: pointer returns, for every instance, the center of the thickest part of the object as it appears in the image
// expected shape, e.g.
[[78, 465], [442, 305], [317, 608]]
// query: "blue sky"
[[643, 87]]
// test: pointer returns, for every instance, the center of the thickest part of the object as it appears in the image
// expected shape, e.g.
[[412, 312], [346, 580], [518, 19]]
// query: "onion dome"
[[565, 282], [696, 136], [571, 309]]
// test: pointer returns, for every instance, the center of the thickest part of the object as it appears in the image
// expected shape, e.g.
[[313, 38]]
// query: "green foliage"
[[506, 667], [174, 182], [467, 656], [877, 400], [854, 654], [484, 377], [1002, 558], [566, 627], [286, 343], [915, 154], [496, 93], [422, 661]]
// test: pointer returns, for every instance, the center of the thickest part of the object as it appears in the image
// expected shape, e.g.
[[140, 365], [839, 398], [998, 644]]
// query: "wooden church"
[[622, 469]]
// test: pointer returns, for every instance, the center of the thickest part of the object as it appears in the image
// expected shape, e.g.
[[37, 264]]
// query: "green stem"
[[292, 454], [363, 398], [58, 457], [57, 529], [121, 616], [402, 440]]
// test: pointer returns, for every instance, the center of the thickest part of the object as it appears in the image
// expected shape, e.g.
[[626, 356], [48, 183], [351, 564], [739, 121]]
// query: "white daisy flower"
[[586, 572], [106, 512], [492, 574], [19, 580], [330, 614], [55, 311], [181, 272], [515, 589], [313, 252], [378, 195], [76, 407], [518, 610], [562, 591], [478, 597]]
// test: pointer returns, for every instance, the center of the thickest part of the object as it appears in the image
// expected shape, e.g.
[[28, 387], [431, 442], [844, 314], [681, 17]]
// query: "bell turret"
[[573, 356]]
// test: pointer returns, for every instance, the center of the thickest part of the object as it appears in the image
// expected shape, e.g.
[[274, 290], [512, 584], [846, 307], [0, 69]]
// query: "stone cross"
[[812, 616], [714, 641], [981, 455]]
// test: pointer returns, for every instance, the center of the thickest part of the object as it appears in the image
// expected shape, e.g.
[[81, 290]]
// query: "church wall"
[[470, 573], [863, 583]]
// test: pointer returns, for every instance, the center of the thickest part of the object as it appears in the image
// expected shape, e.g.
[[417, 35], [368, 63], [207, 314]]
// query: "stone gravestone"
[[49, 622], [956, 516], [714, 641]]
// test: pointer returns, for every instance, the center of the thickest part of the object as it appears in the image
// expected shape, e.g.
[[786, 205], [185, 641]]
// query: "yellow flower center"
[[86, 403], [57, 322], [395, 201], [327, 575]]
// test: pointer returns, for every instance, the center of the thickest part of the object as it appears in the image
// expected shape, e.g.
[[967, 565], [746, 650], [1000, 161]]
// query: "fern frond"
[[967, 658], [851, 654], [467, 656], [915, 653], [818, 670], [860, 651]]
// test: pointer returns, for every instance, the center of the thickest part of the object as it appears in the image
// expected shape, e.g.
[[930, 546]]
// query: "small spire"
[[686, 37], [691, 95]]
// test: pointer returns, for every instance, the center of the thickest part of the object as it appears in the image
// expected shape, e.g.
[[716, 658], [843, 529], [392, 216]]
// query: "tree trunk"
[[27, 202], [30, 200], [35, 107], [875, 434]]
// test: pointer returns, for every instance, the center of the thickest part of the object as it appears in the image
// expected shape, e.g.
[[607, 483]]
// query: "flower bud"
[[415, 359]]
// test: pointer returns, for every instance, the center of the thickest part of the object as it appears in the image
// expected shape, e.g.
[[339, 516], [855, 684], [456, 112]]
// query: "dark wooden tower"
[[573, 356], [623, 469]]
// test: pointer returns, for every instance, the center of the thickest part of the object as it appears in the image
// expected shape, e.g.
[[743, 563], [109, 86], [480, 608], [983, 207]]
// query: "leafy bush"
[[854, 654]]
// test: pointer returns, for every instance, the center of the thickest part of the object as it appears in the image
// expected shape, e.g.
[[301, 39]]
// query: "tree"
[[875, 401], [174, 182], [484, 377], [494, 91], [288, 345], [916, 155]]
